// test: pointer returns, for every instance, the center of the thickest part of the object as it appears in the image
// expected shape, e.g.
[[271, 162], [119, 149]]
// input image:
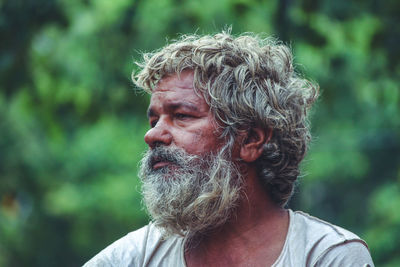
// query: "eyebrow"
[[174, 106]]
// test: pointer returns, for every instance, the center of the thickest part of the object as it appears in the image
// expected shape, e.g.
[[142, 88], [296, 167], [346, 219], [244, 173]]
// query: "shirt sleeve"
[[98, 260], [121, 253], [351, 253], [125, 252]]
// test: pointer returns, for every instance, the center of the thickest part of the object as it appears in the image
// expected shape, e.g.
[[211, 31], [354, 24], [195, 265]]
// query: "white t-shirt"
[[309, 242]]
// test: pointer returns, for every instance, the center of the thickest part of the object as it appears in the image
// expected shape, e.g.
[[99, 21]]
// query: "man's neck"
[[254, 236]]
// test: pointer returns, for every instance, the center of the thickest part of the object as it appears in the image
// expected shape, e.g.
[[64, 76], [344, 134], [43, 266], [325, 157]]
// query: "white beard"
[[192, 195]]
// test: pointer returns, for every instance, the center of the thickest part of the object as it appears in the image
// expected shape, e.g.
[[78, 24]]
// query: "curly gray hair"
[[247, 82]]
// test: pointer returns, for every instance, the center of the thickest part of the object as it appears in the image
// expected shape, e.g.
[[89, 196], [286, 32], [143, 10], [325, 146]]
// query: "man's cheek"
[[200, 142]]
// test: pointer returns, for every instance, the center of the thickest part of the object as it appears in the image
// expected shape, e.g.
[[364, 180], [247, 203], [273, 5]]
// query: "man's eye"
[[153, 123], [182, 116]]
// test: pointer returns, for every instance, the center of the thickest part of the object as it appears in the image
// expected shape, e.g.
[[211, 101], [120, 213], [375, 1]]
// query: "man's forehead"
[[172, 106], [183, 79]]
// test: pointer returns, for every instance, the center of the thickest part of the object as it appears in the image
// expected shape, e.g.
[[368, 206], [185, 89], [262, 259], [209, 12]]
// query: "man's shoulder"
[[311, 240], [137, 248], [314, 228]]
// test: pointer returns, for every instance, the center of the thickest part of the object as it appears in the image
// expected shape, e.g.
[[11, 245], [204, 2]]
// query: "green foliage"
[[71, 125]]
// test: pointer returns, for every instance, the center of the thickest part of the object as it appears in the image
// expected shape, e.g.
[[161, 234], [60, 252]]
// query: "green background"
[[72, 125]]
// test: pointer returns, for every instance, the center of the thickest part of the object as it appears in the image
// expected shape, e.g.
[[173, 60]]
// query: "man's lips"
[[161, 164]]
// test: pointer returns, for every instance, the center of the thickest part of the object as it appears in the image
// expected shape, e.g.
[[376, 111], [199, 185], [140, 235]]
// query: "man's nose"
[[158, 135]]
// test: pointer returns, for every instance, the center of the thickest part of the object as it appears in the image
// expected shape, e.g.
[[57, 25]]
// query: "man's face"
[[190, 184], [180, 118]]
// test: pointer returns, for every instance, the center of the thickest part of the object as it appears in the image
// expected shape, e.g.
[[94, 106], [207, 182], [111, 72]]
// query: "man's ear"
[[253, 144]]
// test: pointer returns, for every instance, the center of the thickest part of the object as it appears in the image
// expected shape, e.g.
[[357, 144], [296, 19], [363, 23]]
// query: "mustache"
[[161, 153], [175, 155]]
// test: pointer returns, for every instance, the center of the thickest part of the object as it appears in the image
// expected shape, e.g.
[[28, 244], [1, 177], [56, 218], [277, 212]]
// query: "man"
[[228, 120]]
